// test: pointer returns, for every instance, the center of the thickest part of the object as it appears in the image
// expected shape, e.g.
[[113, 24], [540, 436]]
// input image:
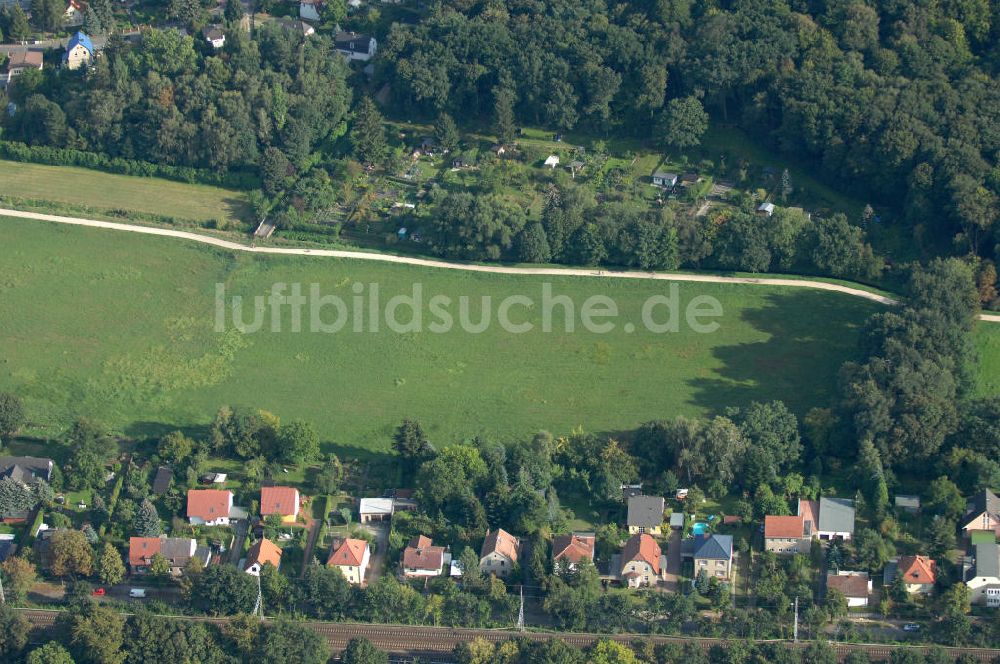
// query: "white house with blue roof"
[[79, 51]]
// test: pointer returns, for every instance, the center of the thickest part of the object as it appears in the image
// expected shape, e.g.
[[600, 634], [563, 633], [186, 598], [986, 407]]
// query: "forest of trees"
[[266, 105], [900, 100]]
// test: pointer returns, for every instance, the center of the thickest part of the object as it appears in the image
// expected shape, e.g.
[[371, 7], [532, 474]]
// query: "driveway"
[[673, 572], [376, 567], [240, 529], [314, 527]]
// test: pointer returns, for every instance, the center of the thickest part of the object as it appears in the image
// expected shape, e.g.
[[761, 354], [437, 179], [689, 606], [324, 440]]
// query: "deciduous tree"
[[71, 554], [18, 577], [682, 123]]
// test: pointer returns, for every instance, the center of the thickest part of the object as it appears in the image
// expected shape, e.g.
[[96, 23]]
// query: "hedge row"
[[66, 157]]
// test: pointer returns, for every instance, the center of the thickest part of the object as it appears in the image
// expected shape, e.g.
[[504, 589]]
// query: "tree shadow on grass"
[[153, 431], [811, 334], [143, 430], [239, 209]]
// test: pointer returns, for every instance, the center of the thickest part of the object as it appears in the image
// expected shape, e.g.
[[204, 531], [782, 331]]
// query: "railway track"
[[439, 642]]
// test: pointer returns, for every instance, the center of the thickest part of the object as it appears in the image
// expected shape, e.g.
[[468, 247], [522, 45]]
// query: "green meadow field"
[[120, 327], [106, 191]]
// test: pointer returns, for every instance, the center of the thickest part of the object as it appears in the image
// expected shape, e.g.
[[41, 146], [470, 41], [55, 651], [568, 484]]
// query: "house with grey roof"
[[834, 517], [355, 46], [161, 483], [645, 515], [983, 579], [711, 553], [983, 513], [26, 469]]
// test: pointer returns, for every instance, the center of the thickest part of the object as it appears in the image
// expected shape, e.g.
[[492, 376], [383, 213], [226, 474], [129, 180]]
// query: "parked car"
[[137, 593], [99, 592]]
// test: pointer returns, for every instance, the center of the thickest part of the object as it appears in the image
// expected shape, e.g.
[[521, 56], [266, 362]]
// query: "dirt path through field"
[[495, 269]]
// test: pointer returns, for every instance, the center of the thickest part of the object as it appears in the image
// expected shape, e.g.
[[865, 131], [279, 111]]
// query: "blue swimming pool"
[[699, 528]]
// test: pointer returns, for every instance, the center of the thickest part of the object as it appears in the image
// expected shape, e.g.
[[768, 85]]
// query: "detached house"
[[639, 563], [918, 573], [787, 534], [711, 553], [983, 513], [499, 553], [209, 507], [297, 26], [20, 61], [352, 557], [833, 517], [79, 51], [263, 552], [178, 552], [984, 578], [280, 500], [569, 550], [422, 559], [355, 46], [73, 16], [855, 586], [645, 515], [26, 471]]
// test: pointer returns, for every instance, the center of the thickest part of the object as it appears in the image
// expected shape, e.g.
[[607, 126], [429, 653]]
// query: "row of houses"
[[826, 519], [79, 53]]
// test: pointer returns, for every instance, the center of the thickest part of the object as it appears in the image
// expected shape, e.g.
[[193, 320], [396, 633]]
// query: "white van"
[[137, 593]]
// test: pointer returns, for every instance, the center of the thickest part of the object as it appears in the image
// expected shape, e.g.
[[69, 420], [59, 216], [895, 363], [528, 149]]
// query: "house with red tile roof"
[[263, 552], [569, 550], [177, 551], [352, 557], [787, 534], [209, 507], [918, 573], [421, 558], [280, 500], [499, 553], [639, 563]]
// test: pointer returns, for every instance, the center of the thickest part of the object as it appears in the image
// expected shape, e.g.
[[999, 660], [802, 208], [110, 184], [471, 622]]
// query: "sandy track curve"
[[494, 269]]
